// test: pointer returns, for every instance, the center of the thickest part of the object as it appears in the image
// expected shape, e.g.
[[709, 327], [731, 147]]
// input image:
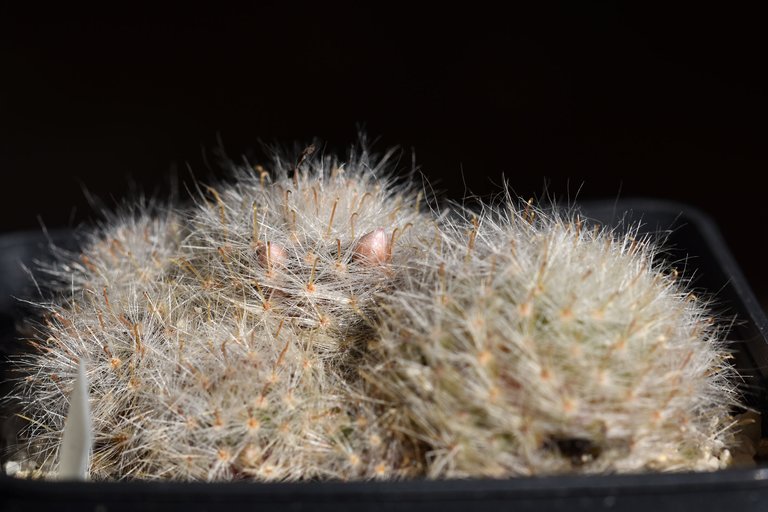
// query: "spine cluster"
[[320, 321]]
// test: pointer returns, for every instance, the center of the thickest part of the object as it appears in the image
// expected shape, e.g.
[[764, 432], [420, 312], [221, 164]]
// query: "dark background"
[[613, 101]]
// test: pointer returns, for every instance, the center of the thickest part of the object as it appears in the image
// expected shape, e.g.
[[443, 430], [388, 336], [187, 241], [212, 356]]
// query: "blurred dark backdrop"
[[612, 101]]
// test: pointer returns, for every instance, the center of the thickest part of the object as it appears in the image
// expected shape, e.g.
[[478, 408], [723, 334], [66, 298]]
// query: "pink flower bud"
[[272, 255], [374, 247]]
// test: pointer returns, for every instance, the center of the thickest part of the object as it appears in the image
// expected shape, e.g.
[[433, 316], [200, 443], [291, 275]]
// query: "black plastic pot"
[[691, 237]]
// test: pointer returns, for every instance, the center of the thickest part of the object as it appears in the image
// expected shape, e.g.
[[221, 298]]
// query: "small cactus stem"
[[396, 210], [106, 299], [281, 357], [124, 320], [352, 219], [362, 200], [472, 237], [333, 214], [137, 339], [220, 204], [311, 283], [262, 174], [224, 257], [87, 262], [392, 240], [608, 243], [132, 374], [255, 222], [308, 151], [314, 197], [286, 202], [101, 320], [265, 388], [408, 226], [119, 245], [264, 302], [338, 253], [66, 323], [528, 213]]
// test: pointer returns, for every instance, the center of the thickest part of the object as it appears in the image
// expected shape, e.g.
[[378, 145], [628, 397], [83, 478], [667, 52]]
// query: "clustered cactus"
[[325, 321]]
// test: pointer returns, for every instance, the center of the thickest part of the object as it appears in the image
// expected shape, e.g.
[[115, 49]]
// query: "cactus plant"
[[529, 343], [319, 321]]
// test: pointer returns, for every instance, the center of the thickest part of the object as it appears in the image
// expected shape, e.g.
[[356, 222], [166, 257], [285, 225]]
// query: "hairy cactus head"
[[525, 343]]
